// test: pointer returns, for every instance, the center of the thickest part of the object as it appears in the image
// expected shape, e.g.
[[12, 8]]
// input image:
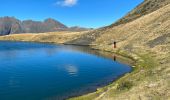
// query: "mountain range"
[[11, 25]]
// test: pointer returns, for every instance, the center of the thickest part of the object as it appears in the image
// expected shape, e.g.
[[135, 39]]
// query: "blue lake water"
[[38, 71]]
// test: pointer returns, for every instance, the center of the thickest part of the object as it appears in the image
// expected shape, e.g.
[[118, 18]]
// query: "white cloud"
[[67, 3]]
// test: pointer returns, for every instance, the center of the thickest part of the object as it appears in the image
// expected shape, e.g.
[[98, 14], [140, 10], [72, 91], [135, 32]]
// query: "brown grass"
[[53, 37]]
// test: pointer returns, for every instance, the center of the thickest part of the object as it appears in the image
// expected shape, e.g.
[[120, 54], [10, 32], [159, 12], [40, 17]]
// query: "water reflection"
[[114, 57], [72, 70], [51, 49]]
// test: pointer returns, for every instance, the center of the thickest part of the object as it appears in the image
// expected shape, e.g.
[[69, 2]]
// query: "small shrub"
[[126, 85]]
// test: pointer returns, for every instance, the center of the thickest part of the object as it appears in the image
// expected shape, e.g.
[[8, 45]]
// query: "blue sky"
[[85, 13]]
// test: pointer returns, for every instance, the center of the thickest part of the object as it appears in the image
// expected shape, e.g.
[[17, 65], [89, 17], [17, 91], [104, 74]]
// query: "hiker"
[[114, 43]]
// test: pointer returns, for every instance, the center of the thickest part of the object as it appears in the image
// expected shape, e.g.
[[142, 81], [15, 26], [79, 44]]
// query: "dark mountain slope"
[[49, 25], [9, 25]]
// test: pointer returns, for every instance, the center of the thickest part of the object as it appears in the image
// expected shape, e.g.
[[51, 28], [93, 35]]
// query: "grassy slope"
[[146, 40], [146, 7], [51, 37], [149, 38]]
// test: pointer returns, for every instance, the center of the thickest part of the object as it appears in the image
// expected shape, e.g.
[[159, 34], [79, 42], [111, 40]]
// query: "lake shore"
[[145, 71]]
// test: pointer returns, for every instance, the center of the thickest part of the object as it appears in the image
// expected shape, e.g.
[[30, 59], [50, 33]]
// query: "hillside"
[[147, 7], [11, 25], [143, 37]]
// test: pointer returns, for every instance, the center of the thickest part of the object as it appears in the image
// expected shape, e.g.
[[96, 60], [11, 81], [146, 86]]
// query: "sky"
[[84, 13]]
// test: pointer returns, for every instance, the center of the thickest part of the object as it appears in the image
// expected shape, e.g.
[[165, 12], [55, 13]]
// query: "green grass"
[[124, 84]]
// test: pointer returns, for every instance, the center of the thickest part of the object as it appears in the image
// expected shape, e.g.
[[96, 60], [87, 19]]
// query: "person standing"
[[114, 44]]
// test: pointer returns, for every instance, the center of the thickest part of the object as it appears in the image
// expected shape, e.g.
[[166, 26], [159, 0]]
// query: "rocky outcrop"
[[9, 25], [49, 25]]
